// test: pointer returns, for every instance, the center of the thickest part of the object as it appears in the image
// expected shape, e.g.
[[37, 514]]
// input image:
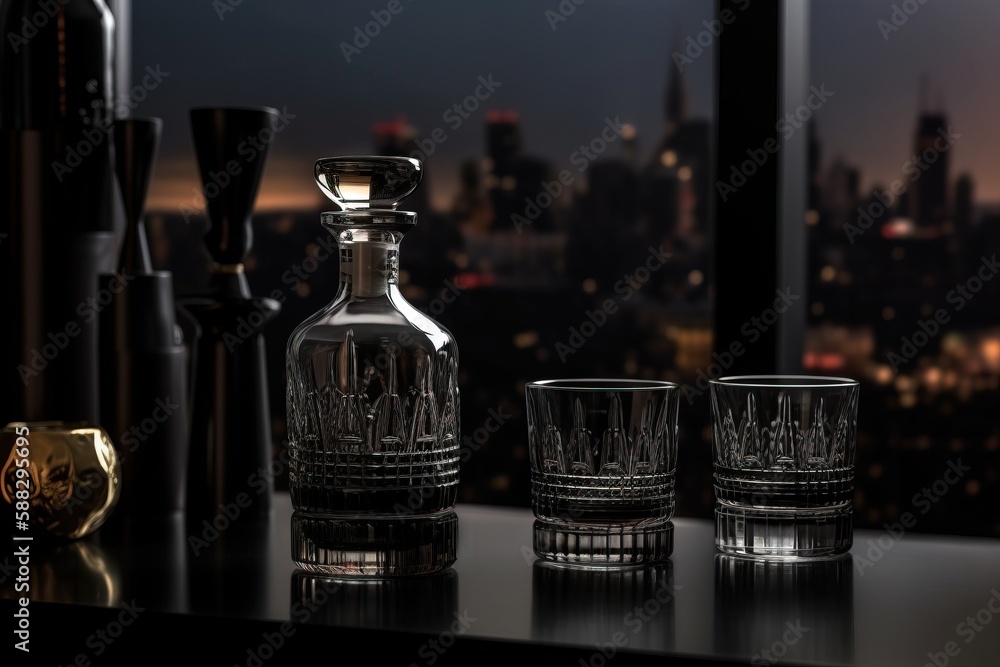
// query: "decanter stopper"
[[368, 182]]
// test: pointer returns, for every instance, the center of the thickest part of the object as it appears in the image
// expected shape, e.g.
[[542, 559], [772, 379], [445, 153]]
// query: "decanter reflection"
[[372, 401]]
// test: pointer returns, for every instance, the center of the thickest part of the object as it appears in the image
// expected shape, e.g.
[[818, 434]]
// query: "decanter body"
[[372, 400]]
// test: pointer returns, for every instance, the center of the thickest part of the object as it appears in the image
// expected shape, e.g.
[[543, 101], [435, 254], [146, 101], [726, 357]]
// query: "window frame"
[[759, 233]]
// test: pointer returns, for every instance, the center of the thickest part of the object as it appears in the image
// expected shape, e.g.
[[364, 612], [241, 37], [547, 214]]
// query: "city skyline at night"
[[554, 93], [876, 81]]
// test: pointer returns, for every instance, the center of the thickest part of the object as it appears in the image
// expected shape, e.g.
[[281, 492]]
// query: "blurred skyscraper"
[[515, 180], [678, 177], [931, 196]]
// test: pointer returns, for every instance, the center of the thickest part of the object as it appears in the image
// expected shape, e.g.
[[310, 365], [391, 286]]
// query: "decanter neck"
[[368, 268], [369, 248]]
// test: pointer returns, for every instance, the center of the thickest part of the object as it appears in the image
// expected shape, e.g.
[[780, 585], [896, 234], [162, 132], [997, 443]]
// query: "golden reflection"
[[72, 480]]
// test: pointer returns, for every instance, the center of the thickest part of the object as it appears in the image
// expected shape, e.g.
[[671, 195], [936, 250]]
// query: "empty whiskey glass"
[[603, 455], [783, 449]]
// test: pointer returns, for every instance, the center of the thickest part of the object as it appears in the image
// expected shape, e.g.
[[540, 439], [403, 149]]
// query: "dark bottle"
[[230, 411], [56, 205], [56, 68]]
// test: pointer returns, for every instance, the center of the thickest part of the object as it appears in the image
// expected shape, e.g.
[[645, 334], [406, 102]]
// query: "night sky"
[[871, 119], [606, 59]]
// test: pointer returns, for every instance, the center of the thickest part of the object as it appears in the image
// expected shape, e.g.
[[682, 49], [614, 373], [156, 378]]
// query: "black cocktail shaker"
[[144, 364]]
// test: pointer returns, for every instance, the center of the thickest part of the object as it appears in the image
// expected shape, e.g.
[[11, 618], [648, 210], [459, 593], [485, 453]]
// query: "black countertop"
[[893, 602]]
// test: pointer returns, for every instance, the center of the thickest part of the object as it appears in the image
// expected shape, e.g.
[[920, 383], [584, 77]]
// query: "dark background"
[[654, 185]]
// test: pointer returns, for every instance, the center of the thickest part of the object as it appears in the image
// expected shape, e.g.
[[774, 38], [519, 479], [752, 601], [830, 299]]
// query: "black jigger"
[[231, 420], [144, 362]]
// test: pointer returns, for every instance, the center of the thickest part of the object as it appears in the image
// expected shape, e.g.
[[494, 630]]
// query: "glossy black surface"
[[869, 609]]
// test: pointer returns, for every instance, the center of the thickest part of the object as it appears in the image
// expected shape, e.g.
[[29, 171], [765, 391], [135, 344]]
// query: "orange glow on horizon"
[[176, 188], [268, 201], [184, 195], [287, 187]]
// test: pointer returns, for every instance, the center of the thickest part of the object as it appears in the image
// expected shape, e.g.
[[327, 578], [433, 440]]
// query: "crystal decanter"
[[372, 401]]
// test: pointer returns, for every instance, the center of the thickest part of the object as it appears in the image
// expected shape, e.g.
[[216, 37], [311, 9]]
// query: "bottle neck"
[[369, 248], [368, 268]]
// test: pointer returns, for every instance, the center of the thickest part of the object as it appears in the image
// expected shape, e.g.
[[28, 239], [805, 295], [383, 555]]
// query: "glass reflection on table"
[[228, 568], [631, 608], [426, 603], [785, 610]]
